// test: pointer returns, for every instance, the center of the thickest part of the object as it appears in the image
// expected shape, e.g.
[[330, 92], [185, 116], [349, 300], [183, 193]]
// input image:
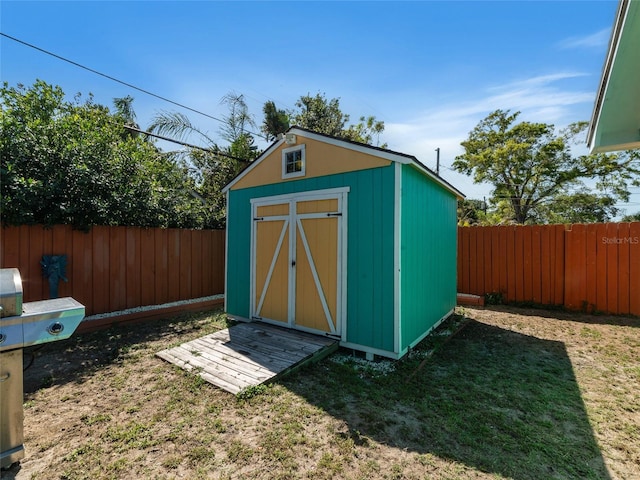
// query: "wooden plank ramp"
[[248, 354]]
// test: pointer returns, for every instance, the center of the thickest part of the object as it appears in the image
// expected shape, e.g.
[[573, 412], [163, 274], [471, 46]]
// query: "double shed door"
[[298, 246]]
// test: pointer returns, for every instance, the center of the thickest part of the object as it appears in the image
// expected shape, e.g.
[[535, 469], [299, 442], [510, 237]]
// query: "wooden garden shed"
[[344, 240]]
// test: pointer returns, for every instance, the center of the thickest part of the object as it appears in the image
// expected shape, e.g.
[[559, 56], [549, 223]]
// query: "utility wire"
[[185, 144], [119, 81]]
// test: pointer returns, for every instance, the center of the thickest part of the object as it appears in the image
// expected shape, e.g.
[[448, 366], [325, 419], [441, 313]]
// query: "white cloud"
[[540, 99], [595, 40]]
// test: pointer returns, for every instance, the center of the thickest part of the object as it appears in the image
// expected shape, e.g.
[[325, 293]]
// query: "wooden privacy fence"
[[116, 268], [594, 267]]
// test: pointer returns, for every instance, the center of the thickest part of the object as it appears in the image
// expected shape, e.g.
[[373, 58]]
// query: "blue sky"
[[430, 70]]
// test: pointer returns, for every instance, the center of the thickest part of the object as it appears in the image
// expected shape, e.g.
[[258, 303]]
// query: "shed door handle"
[[5, 377]]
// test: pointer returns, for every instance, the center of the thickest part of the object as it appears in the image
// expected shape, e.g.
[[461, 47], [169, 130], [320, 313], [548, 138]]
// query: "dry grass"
[[517, 393]]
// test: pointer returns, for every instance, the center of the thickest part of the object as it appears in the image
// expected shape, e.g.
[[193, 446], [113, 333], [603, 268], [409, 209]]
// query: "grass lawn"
[[516, 393]]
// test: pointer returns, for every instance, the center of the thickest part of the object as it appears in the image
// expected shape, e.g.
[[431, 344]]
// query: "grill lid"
[[10, 292], [37, 322]]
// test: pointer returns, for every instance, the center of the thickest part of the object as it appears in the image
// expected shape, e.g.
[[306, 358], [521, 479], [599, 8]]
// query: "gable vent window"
[[293, 162]]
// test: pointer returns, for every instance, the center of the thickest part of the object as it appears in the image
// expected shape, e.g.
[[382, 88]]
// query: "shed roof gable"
[[338, 156]]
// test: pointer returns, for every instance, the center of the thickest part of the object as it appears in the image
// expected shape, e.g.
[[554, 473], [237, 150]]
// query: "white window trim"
[[301, 173]]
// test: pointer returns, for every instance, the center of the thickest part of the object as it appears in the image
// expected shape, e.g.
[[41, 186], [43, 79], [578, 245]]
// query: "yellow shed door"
[[271, 265], [298, 268]]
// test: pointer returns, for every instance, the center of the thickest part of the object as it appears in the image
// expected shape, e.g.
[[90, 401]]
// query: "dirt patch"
[[518, 393]]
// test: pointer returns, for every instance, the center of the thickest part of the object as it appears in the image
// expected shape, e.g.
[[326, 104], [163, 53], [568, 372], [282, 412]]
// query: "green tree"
[[320, 115], [325, 116], [634, 217], [71, 163], [471, 212], [177, 125], [530, 165], [581, 207], [367, 131], [275, 122], [238, 120], [124, 109], [213, 167], [125, 112]]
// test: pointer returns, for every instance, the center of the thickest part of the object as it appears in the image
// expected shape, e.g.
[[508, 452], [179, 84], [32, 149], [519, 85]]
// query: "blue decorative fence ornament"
[[54, 268]]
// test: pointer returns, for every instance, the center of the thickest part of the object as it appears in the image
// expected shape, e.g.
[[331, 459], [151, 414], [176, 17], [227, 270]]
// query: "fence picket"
[[185, 264], [559, 264], [520, 264], [47, 249], [601, 267], [173, 265], [61, 245], [118, 270], [134, 287], [612, 268], [623, 268], [147, 268], [510, 294], [82, 268], [464, 266], [100, 266], [161, 263], [196, 266], [545, 262], [10, 254], [536, 264], [591, 270], [34, 270], [218, 265], [480, 260], [474, 259], [502, 259], [489, 259]]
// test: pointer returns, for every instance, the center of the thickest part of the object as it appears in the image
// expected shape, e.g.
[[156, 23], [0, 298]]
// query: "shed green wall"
[[428, 255], [370, 247]]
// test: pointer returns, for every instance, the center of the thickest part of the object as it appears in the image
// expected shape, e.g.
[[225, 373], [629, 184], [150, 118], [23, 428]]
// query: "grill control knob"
[[55, 328]]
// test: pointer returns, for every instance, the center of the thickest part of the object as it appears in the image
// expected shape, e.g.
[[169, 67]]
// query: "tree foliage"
[[633, 217], [72, 163], [580, 207], [533, 169], [275, 122], [471, 212], [124, 109], [368, 131], [76, 162], [236, 123], [213, 166], [321, 115]]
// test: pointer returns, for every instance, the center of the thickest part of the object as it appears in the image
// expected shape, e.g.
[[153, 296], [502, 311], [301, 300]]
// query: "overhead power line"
[[185, 144], [147, 92]]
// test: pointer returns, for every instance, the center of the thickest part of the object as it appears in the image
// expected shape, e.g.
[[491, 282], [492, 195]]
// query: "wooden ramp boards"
[[248, 354]]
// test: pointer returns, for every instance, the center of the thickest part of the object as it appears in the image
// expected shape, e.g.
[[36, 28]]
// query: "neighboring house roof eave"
[[614, 124]]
